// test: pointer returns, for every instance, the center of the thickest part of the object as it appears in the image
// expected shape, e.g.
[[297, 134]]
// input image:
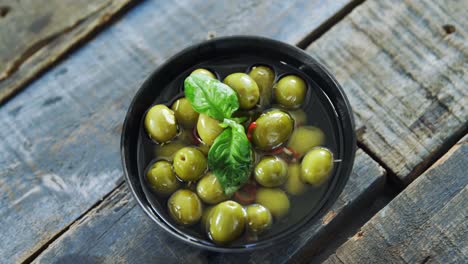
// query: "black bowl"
[[157, 88]]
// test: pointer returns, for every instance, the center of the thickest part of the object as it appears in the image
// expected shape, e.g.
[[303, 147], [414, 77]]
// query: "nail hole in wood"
[[4, 10], [426, 259], [449, 29], [211, 35]]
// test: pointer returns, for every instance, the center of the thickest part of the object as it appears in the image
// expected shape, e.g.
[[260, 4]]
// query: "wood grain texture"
[[405, 76], [426, 223], [33, 35], [118, 230], [59, 142]]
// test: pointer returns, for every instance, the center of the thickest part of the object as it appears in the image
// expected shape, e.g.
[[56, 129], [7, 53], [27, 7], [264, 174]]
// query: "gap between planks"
[[38, 252], [72, 46], [394, 181], [328, 24]]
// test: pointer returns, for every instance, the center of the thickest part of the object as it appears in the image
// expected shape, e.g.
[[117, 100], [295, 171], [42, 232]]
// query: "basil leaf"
[[230, 157], [239, 119], [210, 96]]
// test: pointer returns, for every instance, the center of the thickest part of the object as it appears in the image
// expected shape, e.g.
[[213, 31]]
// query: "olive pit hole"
[[4, 10], [449, 29]]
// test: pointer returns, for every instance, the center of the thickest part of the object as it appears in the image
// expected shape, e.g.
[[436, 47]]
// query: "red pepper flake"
[[277, 150], [247, 194], [293, 153], [196, 138], [250, 129]]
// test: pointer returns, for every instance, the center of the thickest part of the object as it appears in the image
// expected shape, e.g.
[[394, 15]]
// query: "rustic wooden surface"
[[34, 34], [118, 230], [402, 63], [59, 142], [426, 223], [404, 70]]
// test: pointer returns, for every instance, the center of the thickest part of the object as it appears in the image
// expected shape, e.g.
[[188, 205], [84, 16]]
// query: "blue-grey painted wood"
[[426, 223], [405, 73], [59, 138], [34, 35], [118, 230]]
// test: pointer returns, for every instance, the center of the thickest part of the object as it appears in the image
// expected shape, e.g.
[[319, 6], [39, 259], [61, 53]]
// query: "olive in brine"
[[299, 117], [305, 138], [259, 218], [227, 222], [167, 151], [272, 129], [160, 123], [189, 164], [204, 148], [161, 178], [185, 207], [294, 184], [210, 190], [271, 172], [204, 72], [206, 217], [290, 91], [264, 77], [246, 88], [317, 166], [208, 129], [275, 200], [184, 112]]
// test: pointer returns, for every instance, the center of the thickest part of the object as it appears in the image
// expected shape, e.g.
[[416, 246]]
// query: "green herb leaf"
[[230, 157], [210, 96], [239, 119]]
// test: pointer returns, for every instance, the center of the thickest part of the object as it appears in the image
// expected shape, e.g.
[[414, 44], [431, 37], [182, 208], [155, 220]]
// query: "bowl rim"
[[330, 195]]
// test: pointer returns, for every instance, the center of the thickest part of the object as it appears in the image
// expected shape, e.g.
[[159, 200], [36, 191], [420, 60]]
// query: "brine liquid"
[[320, 113]]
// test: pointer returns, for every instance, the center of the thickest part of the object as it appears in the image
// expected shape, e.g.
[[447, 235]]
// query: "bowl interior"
[[325, 102]]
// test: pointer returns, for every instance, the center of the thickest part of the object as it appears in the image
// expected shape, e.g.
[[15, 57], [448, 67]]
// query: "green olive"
[[210, 191], [317, 166], [184, 112], [204, 72], [259, 218], [273, 128], [167, 151], [294, 185], [227, 222], [204, 148], [305, 138], [246, 88], [160, 123], [189, 164], [271, 171], [299, 116], [264, 77], [161, 178], [185, 136], [275, 200], [290, 91], [208, 129], [206, 217], [185, 207]]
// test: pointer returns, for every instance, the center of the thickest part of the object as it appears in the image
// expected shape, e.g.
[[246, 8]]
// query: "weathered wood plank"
[[118, 230], [405, 75], [33, 35], [425, 223], [59, 142]]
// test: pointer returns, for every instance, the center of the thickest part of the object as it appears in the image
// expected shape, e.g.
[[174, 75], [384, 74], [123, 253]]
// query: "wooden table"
[[67, 76]]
